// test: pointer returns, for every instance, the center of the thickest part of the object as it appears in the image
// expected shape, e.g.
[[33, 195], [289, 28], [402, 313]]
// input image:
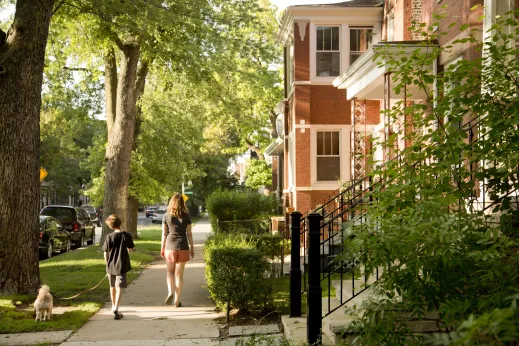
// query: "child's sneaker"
[[117, 315]]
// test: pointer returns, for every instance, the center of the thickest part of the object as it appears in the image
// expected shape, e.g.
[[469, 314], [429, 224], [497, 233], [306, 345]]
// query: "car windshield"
[[64, 214], [89, 209]]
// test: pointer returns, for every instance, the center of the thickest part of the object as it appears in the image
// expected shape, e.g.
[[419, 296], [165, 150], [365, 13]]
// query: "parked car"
[[74, 220], [52, 237], [95, 214], [149, 211], [158, 215]]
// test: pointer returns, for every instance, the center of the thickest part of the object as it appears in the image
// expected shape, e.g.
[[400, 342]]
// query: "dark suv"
[[95, 214], [74, 220]]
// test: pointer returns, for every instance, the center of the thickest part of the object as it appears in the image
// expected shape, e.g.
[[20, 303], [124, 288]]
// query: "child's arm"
[[105, 256]]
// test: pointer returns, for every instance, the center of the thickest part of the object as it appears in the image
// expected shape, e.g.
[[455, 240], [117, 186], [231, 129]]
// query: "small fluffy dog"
[[43, 304]]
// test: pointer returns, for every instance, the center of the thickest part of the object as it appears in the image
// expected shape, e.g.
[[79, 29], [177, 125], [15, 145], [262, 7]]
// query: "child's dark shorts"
[[117, 280]]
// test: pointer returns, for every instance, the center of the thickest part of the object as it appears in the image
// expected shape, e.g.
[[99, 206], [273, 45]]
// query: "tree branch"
[[110, 88], [254, 148], [57, 7], [142, 73]]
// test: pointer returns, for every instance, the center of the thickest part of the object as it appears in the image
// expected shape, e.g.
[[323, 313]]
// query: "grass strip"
[[69, 274]]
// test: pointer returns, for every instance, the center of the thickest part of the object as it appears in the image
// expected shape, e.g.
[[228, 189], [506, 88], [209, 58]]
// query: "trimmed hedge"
[[231, 205], [236, 274]]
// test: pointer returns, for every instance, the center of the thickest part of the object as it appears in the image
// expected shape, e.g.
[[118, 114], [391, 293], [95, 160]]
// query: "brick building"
[[334, 91]]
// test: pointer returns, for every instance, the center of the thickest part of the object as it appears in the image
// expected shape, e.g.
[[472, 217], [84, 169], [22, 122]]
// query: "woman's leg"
[[170, 279], [179, 280]]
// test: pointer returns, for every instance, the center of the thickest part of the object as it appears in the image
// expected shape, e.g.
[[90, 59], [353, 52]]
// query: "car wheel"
[[67, 247], [50, 250], [92, 238], [81, 241]]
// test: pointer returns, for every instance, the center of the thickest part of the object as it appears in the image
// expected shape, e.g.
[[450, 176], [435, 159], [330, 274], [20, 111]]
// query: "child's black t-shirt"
[[117, 245]]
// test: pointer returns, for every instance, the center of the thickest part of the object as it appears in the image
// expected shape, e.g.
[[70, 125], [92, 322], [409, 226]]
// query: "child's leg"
[[179, 280], [119, 285], [112, 279], [118, 292]]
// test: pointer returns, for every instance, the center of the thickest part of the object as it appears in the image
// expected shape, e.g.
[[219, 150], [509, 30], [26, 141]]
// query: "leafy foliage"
[[236, 274], [258, 173], [246, 208], [443, 218]]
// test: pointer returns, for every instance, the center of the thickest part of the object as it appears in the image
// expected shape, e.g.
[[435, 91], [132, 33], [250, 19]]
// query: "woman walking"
[[177, 246]]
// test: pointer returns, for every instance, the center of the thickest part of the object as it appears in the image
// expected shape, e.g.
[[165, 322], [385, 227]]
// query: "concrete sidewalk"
[[147, 319]]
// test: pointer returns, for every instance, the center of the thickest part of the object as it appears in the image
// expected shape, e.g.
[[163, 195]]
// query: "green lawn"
[[281, 289], [69, 274]]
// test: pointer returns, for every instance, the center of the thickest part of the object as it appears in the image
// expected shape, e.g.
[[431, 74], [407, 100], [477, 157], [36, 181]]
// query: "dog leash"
[[80, 293]]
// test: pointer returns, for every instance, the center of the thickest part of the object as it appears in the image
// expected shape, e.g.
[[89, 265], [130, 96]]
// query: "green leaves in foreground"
[[442, 220]]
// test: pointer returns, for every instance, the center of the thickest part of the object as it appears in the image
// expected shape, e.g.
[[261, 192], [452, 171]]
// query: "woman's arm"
[[163, 240], [190, 240]]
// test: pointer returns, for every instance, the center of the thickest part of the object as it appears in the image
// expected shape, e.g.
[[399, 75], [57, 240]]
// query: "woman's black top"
[[176, 231]]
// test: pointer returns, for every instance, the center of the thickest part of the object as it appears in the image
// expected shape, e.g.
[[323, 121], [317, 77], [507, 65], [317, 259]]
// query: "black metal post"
[[295, 264], [314, 301]]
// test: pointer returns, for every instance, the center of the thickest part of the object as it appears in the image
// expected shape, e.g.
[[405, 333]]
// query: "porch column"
[[387, 117], [358, 133]]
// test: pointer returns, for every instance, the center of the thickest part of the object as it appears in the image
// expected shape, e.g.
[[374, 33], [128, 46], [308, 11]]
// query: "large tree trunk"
[[120, 139], [133, 216], [133, 202], [22, 54]]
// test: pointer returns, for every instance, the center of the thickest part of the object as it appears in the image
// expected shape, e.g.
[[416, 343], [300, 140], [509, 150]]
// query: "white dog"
[[43, 304]]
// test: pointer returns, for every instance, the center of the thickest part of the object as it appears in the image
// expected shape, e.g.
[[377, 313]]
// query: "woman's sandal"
[[169, 299], [178, 305]]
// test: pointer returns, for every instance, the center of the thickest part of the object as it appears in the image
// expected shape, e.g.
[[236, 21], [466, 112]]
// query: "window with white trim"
[[328, 55], [360, 41], [328, 156], [390, 25]]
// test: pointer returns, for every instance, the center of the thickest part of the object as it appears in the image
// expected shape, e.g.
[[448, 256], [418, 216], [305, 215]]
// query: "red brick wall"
[[458, 12], [373, 112], [302, 104], [302, 54], [308, 200], [329, 105], [302, 157]]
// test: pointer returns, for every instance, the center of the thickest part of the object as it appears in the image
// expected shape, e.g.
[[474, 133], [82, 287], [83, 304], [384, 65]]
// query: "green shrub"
[[226, 205], [236, 274]]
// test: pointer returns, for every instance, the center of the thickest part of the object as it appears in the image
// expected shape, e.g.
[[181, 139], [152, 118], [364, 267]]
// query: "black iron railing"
[[323, 228]]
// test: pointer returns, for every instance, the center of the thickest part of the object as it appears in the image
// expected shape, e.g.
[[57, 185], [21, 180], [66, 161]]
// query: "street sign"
[[43, 173], [188, 192], [184, 196]]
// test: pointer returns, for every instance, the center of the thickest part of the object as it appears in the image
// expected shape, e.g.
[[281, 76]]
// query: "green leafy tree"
[[259, 174], [193, 37], [446, 251]]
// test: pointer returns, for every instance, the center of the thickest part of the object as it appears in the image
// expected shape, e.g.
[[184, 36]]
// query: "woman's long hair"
[[176, 206]]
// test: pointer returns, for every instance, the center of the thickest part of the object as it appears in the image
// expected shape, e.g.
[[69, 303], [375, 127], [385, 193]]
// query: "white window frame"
[[316, 51], [390, 26], [344, 150], [354, 27]]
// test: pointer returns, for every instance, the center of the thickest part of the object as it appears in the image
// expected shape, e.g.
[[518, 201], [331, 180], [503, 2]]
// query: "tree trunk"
[[133, 202], [22, 53], [120, 139], [133, 216], [110, 88]]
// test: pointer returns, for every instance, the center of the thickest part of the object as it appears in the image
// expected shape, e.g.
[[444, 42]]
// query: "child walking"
[[116, 250]]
